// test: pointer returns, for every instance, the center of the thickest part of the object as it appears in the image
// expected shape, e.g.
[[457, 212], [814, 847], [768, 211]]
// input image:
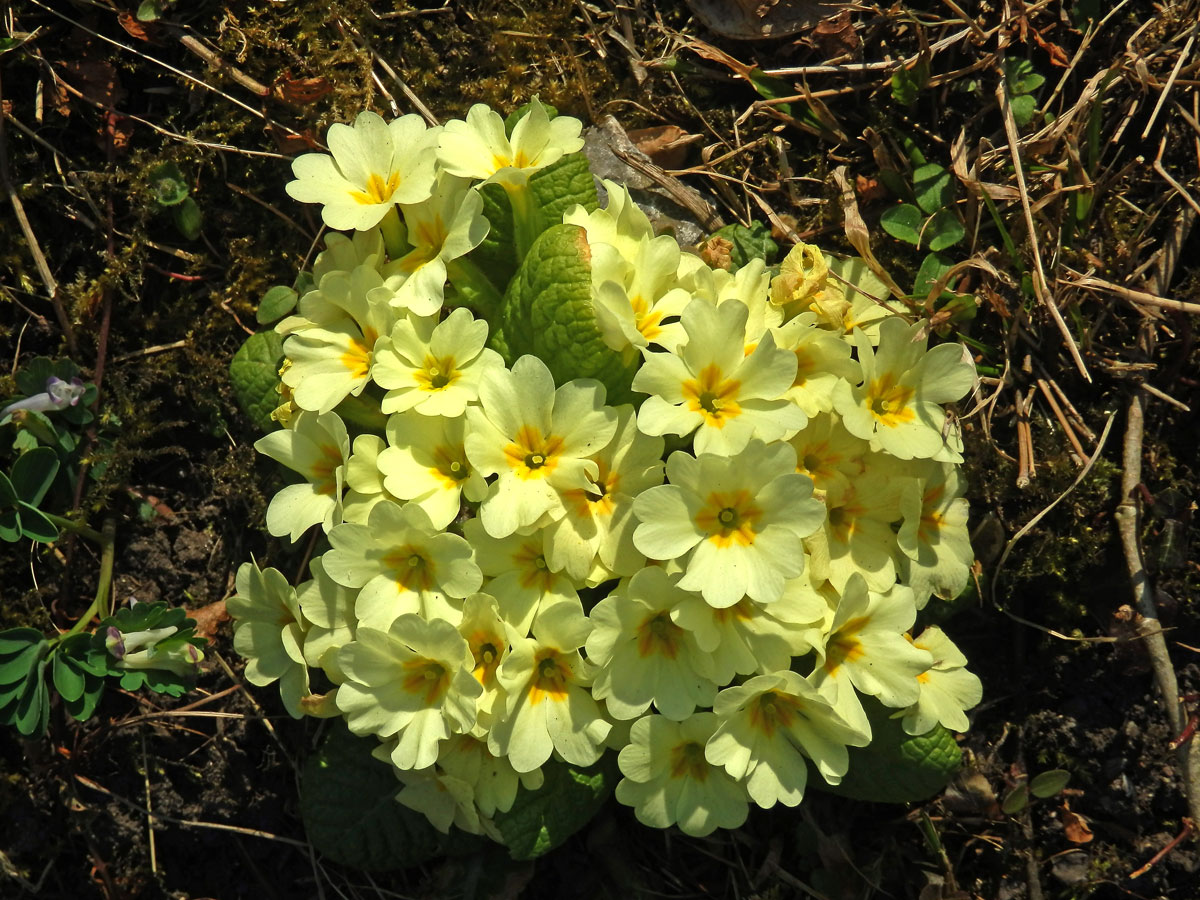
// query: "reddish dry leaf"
[[1075, 827], [716, 251], [97, 81], [133, 27], [293, 143], [1058, 56], [209, 618], [301, 91], [666, 145]]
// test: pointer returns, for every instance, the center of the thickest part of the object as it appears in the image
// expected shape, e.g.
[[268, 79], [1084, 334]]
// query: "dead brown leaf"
[[293, 143], [1075, 827], [716, 251], [95, 80], [209, 619], [666, 145], [135, 29], [837, 36], [869, 189]]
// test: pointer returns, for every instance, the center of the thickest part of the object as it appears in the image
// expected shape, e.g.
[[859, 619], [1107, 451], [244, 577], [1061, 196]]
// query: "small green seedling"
[[1021, 80], [170, 191], [1041, 787]]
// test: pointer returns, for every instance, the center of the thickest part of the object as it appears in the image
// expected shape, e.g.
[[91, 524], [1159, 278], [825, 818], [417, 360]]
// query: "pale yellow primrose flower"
[[403, 565], [478, 148], [426, 463], [537, 440], [767, 726], [857, 537], [822, 360], [493, 779], [867, 651], [413, 682], [375, 165], [269, 632], [947, 688], [634, 299], [593, 542], [317, 447], [443, 799], [714, 389], [643, 655], [749, 637], [621, 224], [740, 521], [333, 360], [519, 575], [448, 225], [549, 706], [487, 637], [802, 278], [434, 367], [898, 404], [830, 455], [669, 782], [328, 608], [365, 480], [934, 539]]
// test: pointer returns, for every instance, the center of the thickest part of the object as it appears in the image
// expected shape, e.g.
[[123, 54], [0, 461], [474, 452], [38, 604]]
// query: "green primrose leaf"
[[1047, 784], [35, 525], [188, 218], [33, 473], [934, 187], [276, 303], [903, 222], [540, 820], [254, 374], [167, 183], [750, 243], [944, 230], [560, 186], [348, 805], [548, 312], [522, 111], [497, 254], [896, 767]]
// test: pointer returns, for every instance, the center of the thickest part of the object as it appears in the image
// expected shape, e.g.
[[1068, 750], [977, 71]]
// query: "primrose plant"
[[586, 496], [147, 645]]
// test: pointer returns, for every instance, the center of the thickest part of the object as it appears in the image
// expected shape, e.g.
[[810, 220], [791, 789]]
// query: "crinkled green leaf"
[[276, 303], [944, 230], [348, 804], [896, 767], [750, 243], [933, 186], [903, 222], [33, 473], [496, 257], [1023, 108], [548, 312], [254, 374], [562, 185], [540, 820]]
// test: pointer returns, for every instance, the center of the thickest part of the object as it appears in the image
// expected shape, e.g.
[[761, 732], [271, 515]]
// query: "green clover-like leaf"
[[903, 222], [944, 230], [33, 473], [934, 187], [276, 303]]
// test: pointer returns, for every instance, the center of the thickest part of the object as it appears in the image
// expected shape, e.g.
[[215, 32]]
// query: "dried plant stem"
[[1128, 518], [1040, 288]]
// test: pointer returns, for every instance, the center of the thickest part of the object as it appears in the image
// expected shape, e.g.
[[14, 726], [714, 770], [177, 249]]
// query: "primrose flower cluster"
[[703, 563]]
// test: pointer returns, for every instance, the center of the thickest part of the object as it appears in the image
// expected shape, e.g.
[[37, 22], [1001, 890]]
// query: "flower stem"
[[394, 237], [75, 527], [101, 605], [527, 224]]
